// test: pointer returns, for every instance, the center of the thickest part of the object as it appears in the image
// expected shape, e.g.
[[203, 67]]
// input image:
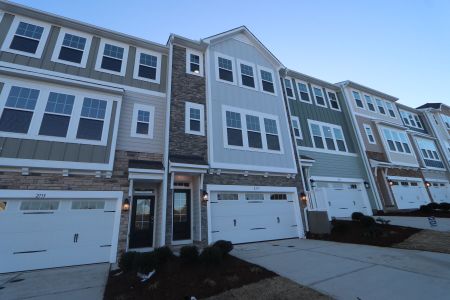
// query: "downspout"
[[361, 148]]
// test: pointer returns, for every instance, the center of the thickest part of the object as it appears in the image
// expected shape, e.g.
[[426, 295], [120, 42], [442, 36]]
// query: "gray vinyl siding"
[[58, 151], [239, 97], [89, 72], [124, 139]]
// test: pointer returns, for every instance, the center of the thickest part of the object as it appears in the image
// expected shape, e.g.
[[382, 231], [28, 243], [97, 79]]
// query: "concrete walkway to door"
[[347, 271], [70, 283]]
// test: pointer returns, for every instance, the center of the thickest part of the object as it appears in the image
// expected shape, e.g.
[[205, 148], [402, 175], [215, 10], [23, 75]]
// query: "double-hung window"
[[390, 109], [405, 143], [58, 111], [18, 111], [225, 69], [234, 129], [194, 62], [389, 139], [112, 58], [327, 136], [143, 121], [273, 142], [380, 106], [369, 134], [194, 119], [316, 133], [92, 119], [334, 102], [288, 88], [369, 103], [303, 92], [267, 80], [358, 100], [405, 117], [246, 74], [72, 48], [147, 66], [318, 96], [253, 132], [340, 141], [296, 127]]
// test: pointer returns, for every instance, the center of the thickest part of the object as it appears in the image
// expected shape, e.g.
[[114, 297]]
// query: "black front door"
[[141, 229], [181, 215]]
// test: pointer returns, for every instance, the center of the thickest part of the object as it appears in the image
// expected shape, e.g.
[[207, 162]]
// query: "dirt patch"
[[354, 233], [176, 280], [275, 288], [417, 213], [428, 240]]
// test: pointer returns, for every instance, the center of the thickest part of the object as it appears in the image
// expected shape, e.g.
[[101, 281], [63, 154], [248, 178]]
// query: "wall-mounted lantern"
[[391, 183], [366, 185], [427, 183], [205, 196], [126, 204]]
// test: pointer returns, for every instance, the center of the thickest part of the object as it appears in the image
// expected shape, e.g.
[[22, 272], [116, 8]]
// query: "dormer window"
[[72, 48], [112, 58]]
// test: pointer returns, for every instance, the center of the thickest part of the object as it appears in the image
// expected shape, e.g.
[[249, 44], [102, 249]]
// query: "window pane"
[[30, 30], [195, 59], [233, 119], [69, 54], [74, 41], [147, 72], [112, 64], [90, 129], [254, 196], [142, 128], [272, 142], [248, 81], [234, 137], [303, 89], [194, 113], [143, 116], [60, 103], [54, 125], [24, 98], [226, 196], [270, 126], [254, 139], [225, 64], [113, 51], [333, 100], [226, 75], [15, 120], [148, 60], [24, 44], [252, 123], [93, 108], [194, 125], [278, 197], [268, 87], [329, 138], [267, 81]]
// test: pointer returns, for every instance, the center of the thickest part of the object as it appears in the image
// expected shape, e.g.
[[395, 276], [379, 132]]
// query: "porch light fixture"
[[303, 197], [390, 182], [205, 196], [126, 204], [427, 183], [366, 185], [313, 183]]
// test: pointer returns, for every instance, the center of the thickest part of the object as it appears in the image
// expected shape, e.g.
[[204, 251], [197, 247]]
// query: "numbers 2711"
[[40, 196]]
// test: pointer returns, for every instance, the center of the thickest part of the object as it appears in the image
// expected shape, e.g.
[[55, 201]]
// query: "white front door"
[[440, 192], [409, 193], [40, 233], [242, 217]]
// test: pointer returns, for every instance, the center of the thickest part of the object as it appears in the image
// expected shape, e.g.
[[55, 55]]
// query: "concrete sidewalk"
[[347, 271], [71, 283]]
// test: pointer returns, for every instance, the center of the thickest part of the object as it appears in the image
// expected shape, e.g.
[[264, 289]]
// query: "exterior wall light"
[[390, 182], [126, 205], [303, 197], [427, 183], [205, 197], [366, 185]]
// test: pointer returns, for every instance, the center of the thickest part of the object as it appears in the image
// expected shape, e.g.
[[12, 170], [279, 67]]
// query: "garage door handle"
[[75, 238], [234, 221]]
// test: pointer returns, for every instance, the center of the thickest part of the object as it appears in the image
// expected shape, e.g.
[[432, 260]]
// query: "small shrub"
[[367, 222], [189, 254], [339, 226], [126, 261], [433, 205], [145, 262], [356, 216], [163, 254], [444, 206], [425, 208], [225, 246], [211, 255]]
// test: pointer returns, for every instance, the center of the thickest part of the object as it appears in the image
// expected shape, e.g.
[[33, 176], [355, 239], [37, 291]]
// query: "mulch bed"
[[355, 233], [176, 280], [417, 213]]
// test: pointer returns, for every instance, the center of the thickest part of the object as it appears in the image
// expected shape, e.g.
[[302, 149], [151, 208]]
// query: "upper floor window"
[[334, 102], [225, 68], [369, 103], [289, 89], [234, 128], [411, 119], [397, 141], [428, 149], [18, 110], [147, 66], [92, 119], [318, 96], [390, 109], [446, 120], [273, 142], [246, 74], [327, 135], [194, 62], [143, 121], [56, 119], [112, 58], [358, 100], [303, 92], [72, 48], [194, 119], [253, 132], [369, 134], [380, 106], [266, 77], [296, 127], [26, 37]]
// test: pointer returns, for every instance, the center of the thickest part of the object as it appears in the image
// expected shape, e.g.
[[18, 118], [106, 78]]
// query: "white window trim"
[[101, 49], [296, 119], [323, 96], [151, 125], [393, 109], [274, 80], [255, 78], [368, 127], [386, 113], [307, 89], [332, 126], [140, 51], [399, 132], [188, 62], [435, 149], [233, 65], [12, 31], [408, 113], [187, 118], [366, 104], [261, 117], [292, 88], [39, 111], [337, 100], [361, 97], [59, 41]]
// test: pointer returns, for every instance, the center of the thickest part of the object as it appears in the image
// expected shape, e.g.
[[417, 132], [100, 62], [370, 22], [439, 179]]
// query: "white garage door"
[[39, 233], [409, 193], [342, 199], [242, 217], [440, 192]]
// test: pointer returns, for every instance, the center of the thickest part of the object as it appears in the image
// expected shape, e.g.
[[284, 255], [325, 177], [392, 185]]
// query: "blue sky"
[[399, 47]]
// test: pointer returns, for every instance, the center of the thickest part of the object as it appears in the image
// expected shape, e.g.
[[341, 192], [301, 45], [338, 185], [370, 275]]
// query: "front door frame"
[[189, 241], [131, 220]]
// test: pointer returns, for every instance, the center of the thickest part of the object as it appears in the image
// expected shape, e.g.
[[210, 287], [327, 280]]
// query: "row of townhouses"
[[111, 143]]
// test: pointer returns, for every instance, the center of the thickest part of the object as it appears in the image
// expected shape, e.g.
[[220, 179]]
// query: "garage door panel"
[[409, 194], [440, 192]]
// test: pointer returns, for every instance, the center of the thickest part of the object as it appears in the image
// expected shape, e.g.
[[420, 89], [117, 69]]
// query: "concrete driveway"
[[347, 271], [80, 282]]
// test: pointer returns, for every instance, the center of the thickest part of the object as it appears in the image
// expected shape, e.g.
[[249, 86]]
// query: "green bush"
[[126, 261], [189, 254], [444, 206], [211, 255], [425, 208], [163, 254], [356, 216], [225, 246], [339, 226], [433, 205], [145, 262], [367, 222]]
